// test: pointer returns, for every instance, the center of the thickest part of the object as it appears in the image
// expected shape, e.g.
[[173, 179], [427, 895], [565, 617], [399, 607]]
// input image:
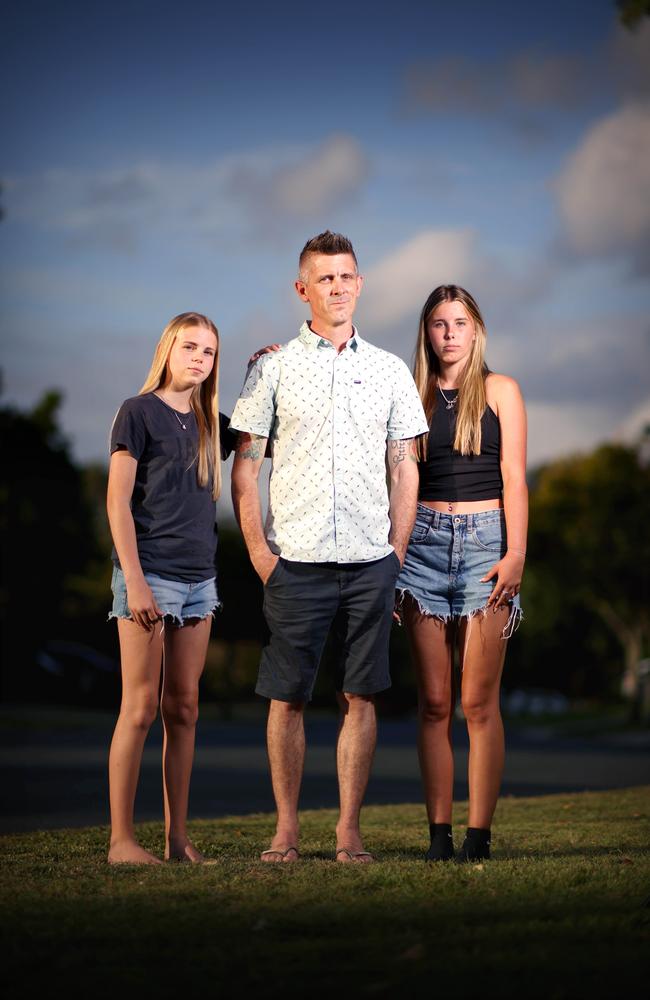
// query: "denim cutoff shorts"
[[178, 601], [446, 557]]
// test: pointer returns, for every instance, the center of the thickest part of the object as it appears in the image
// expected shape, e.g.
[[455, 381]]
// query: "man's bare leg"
[[285, 736], [354, 753]]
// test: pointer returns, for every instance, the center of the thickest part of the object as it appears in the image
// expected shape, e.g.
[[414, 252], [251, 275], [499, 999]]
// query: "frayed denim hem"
[[514, 618], [176, 620]]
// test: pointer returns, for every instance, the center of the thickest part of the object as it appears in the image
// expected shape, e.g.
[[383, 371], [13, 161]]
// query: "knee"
[[479, 710], [355, 703], [141, 714], [287, 709], [433, 710], [180, 709]]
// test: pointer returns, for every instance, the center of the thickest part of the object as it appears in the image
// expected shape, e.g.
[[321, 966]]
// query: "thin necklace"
[[450, 402], [172, 409]]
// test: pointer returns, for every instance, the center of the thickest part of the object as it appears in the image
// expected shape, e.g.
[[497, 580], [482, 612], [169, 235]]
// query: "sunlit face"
[[451, 332], [191, 358], [331, 286]]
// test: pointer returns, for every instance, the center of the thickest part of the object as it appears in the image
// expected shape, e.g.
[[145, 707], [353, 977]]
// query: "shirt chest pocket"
[[368, 403]]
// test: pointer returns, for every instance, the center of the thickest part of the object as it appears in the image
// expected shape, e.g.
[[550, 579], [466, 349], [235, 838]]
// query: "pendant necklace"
[[172, 409], [450, 405], [450, 402]]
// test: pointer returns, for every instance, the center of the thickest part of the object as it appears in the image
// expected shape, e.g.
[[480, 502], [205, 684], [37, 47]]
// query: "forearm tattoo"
[[250, 446], [399, 450]]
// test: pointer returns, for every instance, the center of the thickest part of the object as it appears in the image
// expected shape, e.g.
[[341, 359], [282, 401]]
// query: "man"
[[331, 404]]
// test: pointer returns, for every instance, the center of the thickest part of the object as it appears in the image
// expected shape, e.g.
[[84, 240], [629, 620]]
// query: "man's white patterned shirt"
[[328, 415]]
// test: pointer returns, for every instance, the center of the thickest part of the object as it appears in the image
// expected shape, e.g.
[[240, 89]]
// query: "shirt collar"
[[314, 342]]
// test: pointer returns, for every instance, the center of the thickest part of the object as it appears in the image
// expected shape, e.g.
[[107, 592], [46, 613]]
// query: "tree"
[[590, 543], [632, 12], [47, 535]]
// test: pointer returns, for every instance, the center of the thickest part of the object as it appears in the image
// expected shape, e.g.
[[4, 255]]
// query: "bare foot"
[[347, 856], [275, 855], [283, 848], [129, 852], [184, 851], [349, 847]]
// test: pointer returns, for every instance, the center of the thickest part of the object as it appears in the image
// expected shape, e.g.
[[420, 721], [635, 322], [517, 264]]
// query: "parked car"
[[72, 673], [534, 701]]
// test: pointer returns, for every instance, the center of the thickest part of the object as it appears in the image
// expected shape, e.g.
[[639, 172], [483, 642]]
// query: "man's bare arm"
[[404, 482], [249, 455]]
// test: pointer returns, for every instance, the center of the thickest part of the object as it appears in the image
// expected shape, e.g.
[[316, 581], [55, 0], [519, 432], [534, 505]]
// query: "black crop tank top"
[[446, 475]]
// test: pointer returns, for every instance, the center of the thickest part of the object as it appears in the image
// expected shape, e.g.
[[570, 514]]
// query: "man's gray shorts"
[[302, 601]]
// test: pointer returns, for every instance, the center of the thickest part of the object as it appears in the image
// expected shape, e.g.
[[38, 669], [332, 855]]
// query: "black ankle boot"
[[476, 846], [442, 844]]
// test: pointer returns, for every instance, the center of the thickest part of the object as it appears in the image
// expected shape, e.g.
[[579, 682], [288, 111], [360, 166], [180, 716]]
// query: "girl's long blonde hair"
[[204, 399], [471, 387]]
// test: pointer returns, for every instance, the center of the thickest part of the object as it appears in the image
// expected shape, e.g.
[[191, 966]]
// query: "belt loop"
[[436, 519]]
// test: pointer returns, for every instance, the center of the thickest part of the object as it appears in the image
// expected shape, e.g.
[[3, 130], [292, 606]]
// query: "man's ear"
[[301, 290]]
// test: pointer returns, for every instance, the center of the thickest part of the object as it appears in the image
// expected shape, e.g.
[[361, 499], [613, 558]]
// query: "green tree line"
[[585, 592]]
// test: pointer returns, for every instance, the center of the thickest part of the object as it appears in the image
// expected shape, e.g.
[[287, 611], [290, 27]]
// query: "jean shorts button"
[[456, 520]]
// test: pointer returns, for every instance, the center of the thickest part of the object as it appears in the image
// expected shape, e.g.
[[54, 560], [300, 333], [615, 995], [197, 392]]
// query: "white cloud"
[[603, 191], [333, 170], [119, 207], [630, 430], [396, 286], [529, 79], [629, 53], [556, 429]]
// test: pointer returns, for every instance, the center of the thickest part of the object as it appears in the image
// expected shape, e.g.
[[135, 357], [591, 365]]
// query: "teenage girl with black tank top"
[[165, 475], [459, 586]]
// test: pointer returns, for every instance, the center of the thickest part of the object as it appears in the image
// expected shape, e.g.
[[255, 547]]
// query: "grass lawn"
[[562, 910]]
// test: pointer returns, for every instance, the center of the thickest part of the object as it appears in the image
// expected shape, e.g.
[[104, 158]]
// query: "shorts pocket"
[[423, 525], [274, 572], [489, 536]]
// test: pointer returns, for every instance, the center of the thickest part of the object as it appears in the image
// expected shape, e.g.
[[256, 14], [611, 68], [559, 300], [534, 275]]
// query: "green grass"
[[562, 910]]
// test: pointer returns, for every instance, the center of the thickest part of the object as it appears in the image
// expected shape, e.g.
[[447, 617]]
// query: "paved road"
[[53, 767]]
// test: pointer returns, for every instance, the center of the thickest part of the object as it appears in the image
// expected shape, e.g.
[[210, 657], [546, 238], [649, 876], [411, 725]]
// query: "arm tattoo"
[[250, 446], [398, 451]]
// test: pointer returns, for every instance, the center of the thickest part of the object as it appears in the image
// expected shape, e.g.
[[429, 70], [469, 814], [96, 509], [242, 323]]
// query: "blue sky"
[[162, 157]]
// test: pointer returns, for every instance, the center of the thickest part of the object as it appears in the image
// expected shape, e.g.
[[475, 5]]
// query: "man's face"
[[331, 286]]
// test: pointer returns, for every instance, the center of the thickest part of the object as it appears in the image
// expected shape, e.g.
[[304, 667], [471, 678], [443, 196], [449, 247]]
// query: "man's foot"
[[276, 855], [184, 851], [346, 855], [129, 852], [349, 846], [283, 846]]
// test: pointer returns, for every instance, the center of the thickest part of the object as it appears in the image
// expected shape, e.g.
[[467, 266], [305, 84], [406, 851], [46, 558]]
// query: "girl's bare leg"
[[482, 655], [141, 656], [185, 650], [431, 644]]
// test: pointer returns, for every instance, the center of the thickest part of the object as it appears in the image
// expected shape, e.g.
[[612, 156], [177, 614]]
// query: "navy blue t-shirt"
[[175, 518]]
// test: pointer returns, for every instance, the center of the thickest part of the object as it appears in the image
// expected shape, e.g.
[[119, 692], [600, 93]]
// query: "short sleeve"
[[407, 418], [129, 432], [254, 411], [227, 437]]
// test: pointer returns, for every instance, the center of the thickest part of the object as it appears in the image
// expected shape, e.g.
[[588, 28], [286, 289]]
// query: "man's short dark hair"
[[328, 243]]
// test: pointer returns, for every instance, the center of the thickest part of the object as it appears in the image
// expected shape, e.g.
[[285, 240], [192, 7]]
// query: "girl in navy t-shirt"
[[164, 478]]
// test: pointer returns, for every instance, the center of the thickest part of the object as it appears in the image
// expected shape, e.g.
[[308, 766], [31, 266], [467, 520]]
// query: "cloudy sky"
[[160, 157]]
